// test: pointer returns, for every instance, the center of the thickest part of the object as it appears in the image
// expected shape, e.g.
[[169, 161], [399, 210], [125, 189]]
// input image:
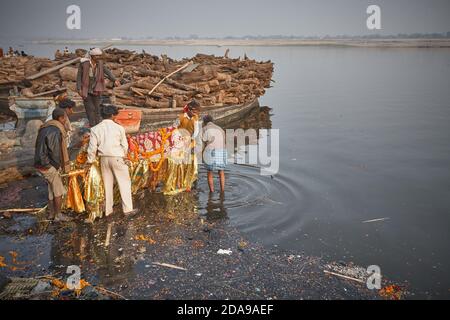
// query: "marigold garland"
[[147, 155]]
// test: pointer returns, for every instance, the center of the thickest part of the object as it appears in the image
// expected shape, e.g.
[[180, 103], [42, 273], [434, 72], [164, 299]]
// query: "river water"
[[364, 134]]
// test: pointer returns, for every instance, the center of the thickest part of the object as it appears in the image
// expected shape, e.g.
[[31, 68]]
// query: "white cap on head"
[[96, 52]]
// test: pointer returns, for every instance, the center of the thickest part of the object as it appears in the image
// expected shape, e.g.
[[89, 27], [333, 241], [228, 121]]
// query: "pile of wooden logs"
[[15, 70], [209, 79]]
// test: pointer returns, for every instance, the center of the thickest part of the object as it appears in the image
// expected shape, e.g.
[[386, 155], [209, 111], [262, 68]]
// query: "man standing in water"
[[51, 157], [215, 152], [91, 83], [109, 140]]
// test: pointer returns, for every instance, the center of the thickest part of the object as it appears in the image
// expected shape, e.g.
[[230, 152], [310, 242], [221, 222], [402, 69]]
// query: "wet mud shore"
[[167, 251]]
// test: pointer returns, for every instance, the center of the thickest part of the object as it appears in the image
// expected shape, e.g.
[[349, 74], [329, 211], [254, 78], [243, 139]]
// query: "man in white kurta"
[[109, 141]]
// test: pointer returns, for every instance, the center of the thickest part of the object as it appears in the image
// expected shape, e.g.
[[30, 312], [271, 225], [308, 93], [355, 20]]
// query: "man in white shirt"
[[109, 141]]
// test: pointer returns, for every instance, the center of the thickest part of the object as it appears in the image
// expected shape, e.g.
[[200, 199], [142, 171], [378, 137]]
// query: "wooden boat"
[[159, 118], [37, 108]]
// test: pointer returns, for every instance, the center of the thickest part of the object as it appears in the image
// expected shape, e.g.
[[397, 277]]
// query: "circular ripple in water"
[[261, 205]]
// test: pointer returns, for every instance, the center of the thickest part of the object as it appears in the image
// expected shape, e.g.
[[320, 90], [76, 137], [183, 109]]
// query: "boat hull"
[[151, 118], [158, 118]]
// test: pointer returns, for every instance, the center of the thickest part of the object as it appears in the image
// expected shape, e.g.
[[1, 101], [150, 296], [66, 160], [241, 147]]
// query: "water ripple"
[[255, 203]]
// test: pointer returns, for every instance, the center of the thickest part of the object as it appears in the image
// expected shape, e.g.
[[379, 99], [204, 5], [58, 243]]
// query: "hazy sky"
[[158, 18]]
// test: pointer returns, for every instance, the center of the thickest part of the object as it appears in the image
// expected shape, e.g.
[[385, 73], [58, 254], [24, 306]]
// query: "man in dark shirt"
[[91, 83], [50, 158]]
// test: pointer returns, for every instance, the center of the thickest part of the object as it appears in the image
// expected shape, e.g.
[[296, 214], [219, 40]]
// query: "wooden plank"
[[343, 276], [168, 265], [24, 210], [190, 68], [53, 69], [49, 92]]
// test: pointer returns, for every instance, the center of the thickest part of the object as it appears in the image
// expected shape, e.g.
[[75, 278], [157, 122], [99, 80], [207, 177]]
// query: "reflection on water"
[[113, 253], [111, 250], [257, 118], [215, 207]]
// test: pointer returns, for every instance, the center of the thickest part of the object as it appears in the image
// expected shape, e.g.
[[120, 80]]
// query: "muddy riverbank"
[[167, 251]]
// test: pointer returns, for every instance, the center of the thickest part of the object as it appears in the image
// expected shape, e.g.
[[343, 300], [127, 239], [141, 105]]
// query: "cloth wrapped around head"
[[92, 53], [193, 105], [95, 52]]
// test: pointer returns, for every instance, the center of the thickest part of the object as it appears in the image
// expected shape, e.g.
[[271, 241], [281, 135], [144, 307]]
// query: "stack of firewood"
[[209, 79], [15, 70]]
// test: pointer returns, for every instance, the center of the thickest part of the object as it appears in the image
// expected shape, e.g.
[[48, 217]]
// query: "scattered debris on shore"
[[169, 251], [50, 288]]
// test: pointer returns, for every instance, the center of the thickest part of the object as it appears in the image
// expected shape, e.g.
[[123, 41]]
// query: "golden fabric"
[[74, 197], [157, 177], [180, 176], [94, 193], [140, 176], [175, 169]]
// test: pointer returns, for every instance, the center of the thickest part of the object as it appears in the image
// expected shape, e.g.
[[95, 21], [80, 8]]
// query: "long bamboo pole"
[[22, 210], [343, 276], [169, 75], [59, 66]]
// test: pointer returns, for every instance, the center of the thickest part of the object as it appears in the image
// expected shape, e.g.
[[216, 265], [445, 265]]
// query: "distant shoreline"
[[362, 43]]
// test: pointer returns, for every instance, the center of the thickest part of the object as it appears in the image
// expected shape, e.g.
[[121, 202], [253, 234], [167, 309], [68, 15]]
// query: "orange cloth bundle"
[[74, 198]]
